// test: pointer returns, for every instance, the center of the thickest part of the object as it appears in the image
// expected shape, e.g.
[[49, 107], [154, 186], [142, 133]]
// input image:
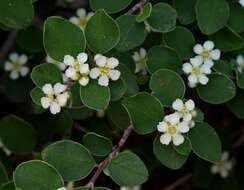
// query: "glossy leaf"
[[185, 148], [146, 12], [236, 17]]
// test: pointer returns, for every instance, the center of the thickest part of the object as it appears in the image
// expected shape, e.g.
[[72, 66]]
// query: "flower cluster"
[[105, 69], [78, 69], [82, 18], [242, 3], [200, 66], [7, 151], [223, 167], [140, 60], [240, 63], [56, 97], [16, 66], [177, 123]]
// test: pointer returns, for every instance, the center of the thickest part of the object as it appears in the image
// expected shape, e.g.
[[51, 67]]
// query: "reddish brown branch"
[[179, 182], [137, 6], [80, 128], [115, 151]]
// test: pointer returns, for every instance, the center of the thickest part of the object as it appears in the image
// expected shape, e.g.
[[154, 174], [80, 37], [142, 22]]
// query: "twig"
[[179, 182], [115, 151], [137, 6], [80, 128], [8, 43]]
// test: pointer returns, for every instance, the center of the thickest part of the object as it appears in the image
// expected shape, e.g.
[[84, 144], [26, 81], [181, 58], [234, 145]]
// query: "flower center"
[[196, 70], [221, 164], [172, 129], [83, 21], [205, 54], [104, 70], [16, 66]]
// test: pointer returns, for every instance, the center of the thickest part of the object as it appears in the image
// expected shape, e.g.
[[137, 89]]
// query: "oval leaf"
[[146, 12], [102, 32], [237, 103], [43, 176], [144, 120], [205, 142], [61, 38], [127, 169]]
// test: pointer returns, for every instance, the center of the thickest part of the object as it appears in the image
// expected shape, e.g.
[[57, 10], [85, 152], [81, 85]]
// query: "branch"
[[80, 128], [8, 43], [179, 182], [137, 6], [115, 151]]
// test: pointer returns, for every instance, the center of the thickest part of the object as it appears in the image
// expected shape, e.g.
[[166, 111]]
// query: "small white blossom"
[[105, 69], [7, 151], [131, 188], [240, 63], [207, 52], [197, 71], [82, 18], [56, 97], [62, 188], [242, 3], [173, 129], [16, 66], [77, 69], [223, 167], [140, 60], [187, 109], [60, 65]]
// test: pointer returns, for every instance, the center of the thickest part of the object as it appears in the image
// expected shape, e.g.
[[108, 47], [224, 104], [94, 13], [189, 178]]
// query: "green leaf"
[[185, 148], [182, 40], [236, 17], [223, 66], [161, 85], [95, 96], [167, 155], [146, 12], [102, 32], [132, 33], [200, 115], [37, 175], [46, 73], [3, 174], [8, 186], [212, 15], [22, 87], [144, 120], [16, 14], [97, 144], [237, 103], [185, 17], [71, 159], [75, 95], [240, 79], [110, 6], [127, 169], [30, 39], [227, 40], [117, 89], [118, 115], [17, 135], [130, 80], [162, 57], [36, 95], [205, 142], [61, 38], [163, 17], [219, 89]]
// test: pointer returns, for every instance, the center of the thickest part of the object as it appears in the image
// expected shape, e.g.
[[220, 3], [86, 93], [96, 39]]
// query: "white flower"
[[140, 60], [16, 66], [7, 151], [62, 188], [131, 188], [173, 128], [105, 69], [82, 18], [240, 63], [185, 109], [77, 69], [242, 3], [207, 52], [223, 167], [60, 65], [197, 71], [56, 97]]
